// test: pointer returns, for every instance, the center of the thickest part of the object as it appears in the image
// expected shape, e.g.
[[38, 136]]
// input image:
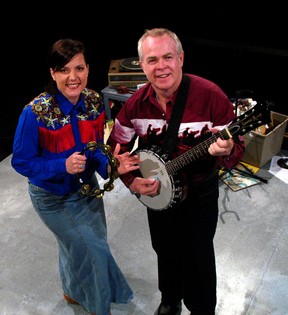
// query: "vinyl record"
[[131, 64], [283, 162]]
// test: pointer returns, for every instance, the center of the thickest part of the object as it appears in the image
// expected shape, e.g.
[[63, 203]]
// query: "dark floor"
[[5, 147]]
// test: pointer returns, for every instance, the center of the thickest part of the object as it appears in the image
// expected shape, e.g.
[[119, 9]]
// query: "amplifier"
[[126, 72]]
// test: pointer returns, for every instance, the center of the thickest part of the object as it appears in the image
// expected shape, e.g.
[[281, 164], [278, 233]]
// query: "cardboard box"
[[261, 148]]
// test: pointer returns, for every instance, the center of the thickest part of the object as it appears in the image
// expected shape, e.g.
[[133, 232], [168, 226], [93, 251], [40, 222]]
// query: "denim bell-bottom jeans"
[[88, 271]]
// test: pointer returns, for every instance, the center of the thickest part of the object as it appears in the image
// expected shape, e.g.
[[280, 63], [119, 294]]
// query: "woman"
[[58, 146]]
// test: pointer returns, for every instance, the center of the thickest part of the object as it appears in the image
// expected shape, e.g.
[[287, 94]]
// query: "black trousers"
[[182, 237]]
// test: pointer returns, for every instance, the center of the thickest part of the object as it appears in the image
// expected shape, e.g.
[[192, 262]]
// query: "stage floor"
[[251, 247]]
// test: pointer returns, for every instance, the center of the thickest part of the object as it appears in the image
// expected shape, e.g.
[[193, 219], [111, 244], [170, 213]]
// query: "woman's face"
[[72, 78]]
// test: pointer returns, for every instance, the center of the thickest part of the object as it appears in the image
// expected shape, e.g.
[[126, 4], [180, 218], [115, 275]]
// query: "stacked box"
[[261, 148]]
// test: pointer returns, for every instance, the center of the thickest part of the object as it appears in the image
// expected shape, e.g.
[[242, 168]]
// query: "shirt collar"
[[150, 93], [67, 107]]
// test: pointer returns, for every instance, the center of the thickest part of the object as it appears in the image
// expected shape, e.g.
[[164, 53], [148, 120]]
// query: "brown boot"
[[69, 299]]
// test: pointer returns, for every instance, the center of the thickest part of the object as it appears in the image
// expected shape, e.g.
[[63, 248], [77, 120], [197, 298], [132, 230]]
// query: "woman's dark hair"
[[62, 51]]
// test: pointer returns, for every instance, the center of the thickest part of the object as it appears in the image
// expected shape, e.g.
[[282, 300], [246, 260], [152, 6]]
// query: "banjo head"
[[153, 166]]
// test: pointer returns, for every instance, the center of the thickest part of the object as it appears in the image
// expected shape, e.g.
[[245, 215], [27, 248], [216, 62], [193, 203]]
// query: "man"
[[181, 233]]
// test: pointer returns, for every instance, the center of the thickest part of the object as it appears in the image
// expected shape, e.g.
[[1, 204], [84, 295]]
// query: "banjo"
[[155, 164]]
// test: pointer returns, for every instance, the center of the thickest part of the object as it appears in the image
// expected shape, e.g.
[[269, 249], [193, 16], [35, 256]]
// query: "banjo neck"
[[251, 119], [195, 153]]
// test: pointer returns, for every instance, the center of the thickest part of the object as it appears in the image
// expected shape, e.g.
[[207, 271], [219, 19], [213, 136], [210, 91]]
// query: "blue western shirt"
[[49, 130]]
